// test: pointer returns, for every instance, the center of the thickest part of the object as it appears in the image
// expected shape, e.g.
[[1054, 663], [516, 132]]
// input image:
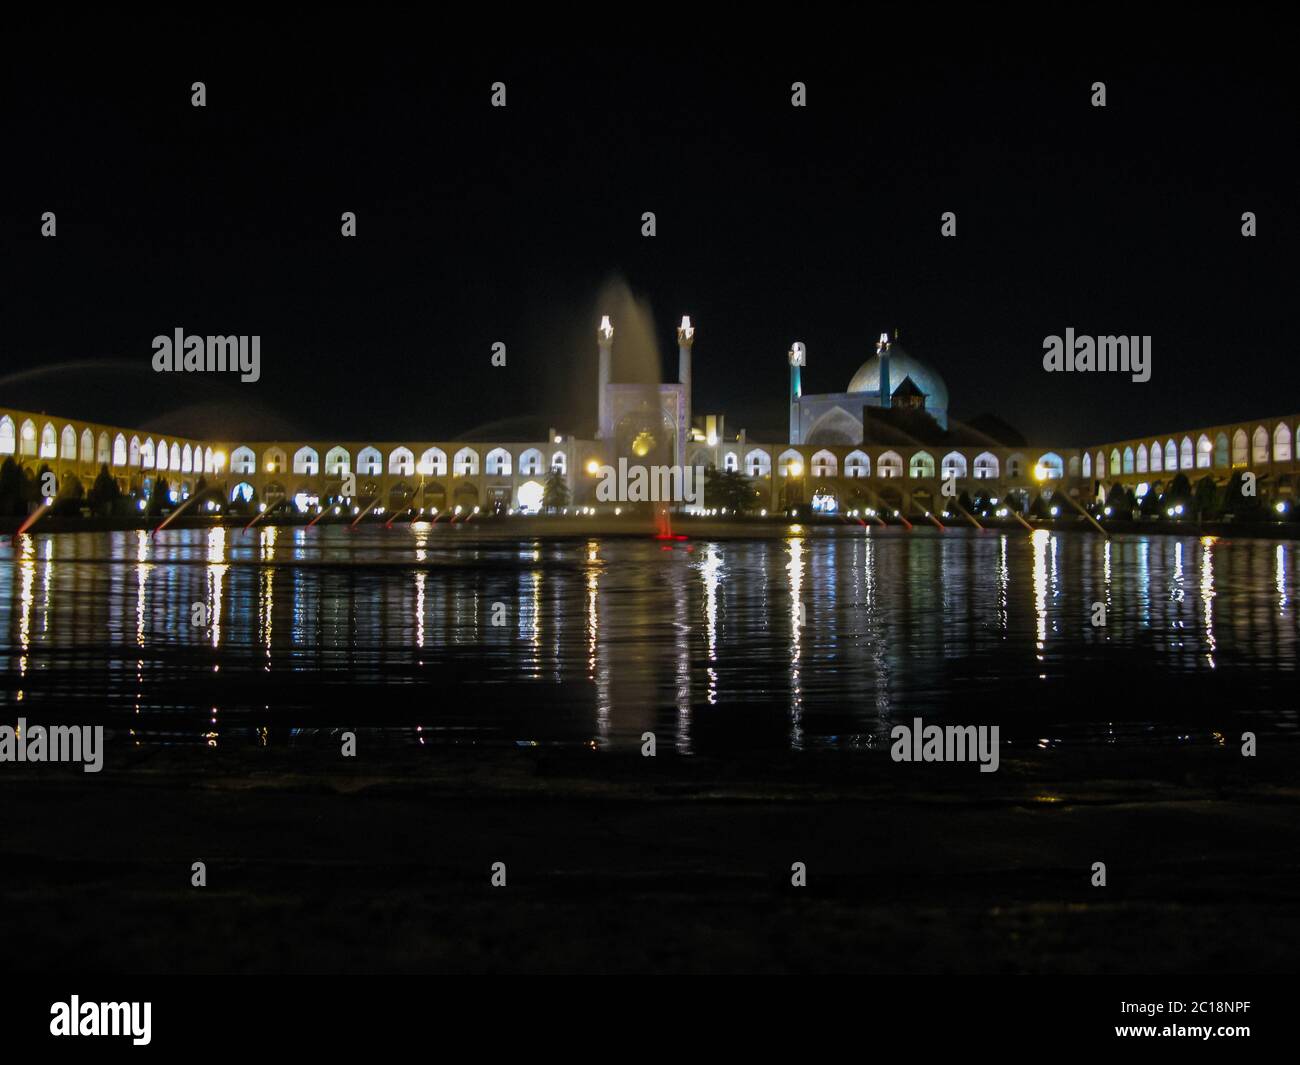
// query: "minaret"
[[685, 338], [605, 338], [798, 358], [882, 349]]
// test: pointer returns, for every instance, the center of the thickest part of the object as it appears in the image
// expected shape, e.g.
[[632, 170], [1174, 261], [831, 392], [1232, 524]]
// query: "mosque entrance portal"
[[645, 437]]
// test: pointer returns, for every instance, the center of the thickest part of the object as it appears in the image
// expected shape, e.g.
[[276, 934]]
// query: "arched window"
[[824, 464], [119, 450], [1282, 443], [560, 463], [88, 447], [731, 462], [1157, 457], [243, 460], [530, 462], [953, 464], [27, 438], [132, 452], [209, 460], [922, 464], [856, 464], [1050, 466], [401, 461], [1128, 460], [1171, 456], [1187, 459], [8, 438], [338, 461], [1221, 450], [1240, 448], [102, 453], [758, 463], [1087, 463], [986, 466], [465, 464], [498, 462], [1259, 446], [49, 442], [1116, 463], [791, 463], [433, 463], [147, 459], [1142, 458], [890, 464], [370, 461], [275, 460], [1204, 452], [68, 444], [187, 457], [306, 460]]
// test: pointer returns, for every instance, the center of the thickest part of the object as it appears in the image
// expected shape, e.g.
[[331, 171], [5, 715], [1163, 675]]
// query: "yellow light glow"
[[796, 469], [643, 445], [593, 467], [1040, 473]]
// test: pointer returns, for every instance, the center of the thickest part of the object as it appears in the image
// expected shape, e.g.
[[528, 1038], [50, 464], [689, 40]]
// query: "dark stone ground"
[[622, 864]]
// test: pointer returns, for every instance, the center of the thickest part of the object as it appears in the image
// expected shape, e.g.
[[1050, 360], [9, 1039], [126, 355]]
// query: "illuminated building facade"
[[887, 442]]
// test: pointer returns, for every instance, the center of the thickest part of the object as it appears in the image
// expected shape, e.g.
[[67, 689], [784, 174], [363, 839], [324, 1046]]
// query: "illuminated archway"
[[531, 494], [890, 464], [401, 461]]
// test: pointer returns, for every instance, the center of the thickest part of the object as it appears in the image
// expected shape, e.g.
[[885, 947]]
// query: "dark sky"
[[774, 223]]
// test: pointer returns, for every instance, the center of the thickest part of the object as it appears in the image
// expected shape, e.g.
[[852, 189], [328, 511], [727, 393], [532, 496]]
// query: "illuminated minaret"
[[798, 359], [605, 338], [685, 338], [882, 349]]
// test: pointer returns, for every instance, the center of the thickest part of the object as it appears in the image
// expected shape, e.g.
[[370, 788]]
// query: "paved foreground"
[[618, 863]]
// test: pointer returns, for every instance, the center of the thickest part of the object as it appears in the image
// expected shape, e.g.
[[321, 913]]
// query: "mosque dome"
[[902, 365]]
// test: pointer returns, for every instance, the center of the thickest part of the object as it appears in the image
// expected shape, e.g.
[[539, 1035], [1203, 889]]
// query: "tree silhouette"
[[556, 493], [104, 493]]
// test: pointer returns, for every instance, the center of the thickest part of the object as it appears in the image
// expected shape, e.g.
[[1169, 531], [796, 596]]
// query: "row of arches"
[[431, 494], [400, 462], [24, 441], [1258, 449], [887, 464]]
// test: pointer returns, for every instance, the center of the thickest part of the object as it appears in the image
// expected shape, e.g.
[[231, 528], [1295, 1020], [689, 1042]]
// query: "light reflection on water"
[[822, 638]]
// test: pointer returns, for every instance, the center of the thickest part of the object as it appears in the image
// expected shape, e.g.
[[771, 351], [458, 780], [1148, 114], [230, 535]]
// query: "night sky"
[[478, 224]]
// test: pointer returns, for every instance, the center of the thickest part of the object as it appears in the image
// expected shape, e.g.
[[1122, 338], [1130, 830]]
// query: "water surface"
[[820, 639]]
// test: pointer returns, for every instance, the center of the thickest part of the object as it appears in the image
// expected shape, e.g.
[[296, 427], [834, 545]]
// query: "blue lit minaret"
[[882, 349], [798, 358]]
